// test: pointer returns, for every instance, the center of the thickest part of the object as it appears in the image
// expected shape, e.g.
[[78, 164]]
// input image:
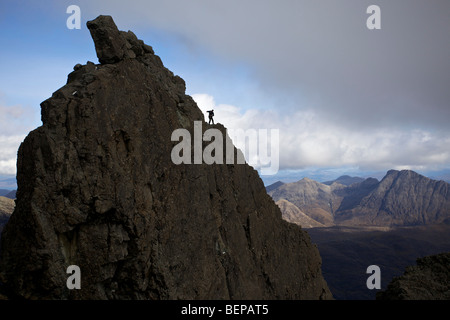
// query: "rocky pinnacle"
[[97, 189]]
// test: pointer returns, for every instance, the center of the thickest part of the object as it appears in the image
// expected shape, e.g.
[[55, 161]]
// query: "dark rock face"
[[110, 46], [97, 188], [428, 280]]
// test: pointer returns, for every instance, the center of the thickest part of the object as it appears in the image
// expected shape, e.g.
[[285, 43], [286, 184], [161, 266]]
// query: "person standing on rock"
[[211, 115]]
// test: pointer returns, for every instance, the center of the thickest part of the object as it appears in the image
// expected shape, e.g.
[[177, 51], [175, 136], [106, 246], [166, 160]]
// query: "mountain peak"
[[403, 172], [392, 172], [393, 175], [308, 180], [401, 198], [97, 188]]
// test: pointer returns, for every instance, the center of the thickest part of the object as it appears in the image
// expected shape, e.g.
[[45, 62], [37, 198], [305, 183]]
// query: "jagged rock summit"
[[97, 188]]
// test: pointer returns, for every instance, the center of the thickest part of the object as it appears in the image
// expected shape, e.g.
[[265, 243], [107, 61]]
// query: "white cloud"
[[14, 126], [342, 95], [307, 140], [11, 116], [8, 166], [8, 156], [319, 51]]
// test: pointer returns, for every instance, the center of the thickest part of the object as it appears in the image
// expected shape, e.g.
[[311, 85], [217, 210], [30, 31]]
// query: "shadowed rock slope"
[[428, 280], [97, 188]]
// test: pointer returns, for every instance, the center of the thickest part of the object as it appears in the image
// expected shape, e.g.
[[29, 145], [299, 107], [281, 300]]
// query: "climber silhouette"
[[211, 115]]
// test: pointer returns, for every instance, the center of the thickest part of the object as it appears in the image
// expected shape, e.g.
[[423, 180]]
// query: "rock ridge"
[[97, 189]]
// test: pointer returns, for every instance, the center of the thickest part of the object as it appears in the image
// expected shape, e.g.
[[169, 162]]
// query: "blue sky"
[[345, 99]]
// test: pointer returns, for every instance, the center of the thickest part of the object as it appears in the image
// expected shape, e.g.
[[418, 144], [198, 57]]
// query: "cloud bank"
[[340, 94], [306, 140], [13, 130], [320, 53]]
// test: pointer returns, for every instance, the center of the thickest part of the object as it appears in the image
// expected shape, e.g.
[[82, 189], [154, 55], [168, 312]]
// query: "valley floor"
[[347, 252]]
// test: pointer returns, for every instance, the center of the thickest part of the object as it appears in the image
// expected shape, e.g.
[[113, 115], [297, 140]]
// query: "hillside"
[[291, 213], [317, 200], [11, 194], [6, 208], [273, 186]]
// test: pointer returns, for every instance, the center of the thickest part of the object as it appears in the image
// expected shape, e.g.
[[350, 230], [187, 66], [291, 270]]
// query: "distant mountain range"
[[11, 194], [358, 222], [401, 198]]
